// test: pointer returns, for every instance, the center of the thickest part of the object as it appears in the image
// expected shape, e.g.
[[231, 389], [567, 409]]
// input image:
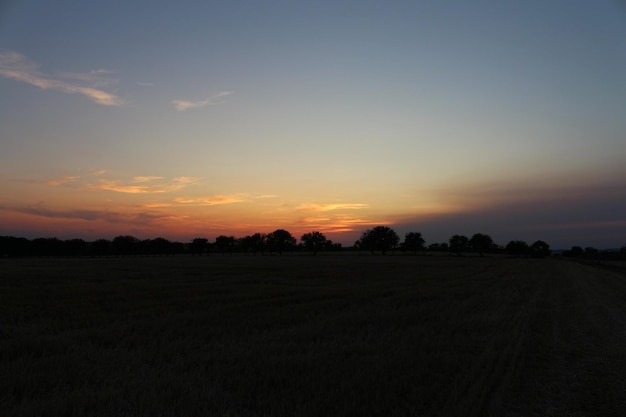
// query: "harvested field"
[[310, 336]]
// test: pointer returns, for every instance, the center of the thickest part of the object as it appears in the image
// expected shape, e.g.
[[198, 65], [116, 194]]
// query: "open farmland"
[[311, 336]]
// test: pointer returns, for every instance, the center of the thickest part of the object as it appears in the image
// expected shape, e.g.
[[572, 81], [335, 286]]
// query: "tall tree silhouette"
[[439, 247], [413, 242], [517, 248], [75, 247], [314, 241], [15, 246], [159, 246], [540, 249], [198, 245], [47, 246], [255, 243], [280, 240], [481, 243], [125, 245], [380, 238], [458, 244], [225, 243], [101, 247]]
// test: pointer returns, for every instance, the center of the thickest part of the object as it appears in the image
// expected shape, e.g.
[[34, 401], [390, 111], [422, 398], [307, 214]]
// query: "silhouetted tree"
[[242, 245], [458, 244], [75, 247], [540, 249], [159, 246], [14, 247], [101, 247], [574, 252], [280, 240], [333, 246], [254, 243], [439, 247], [481, 243], [225, 244], [380, 238], [591, 252], [314, 241], [125, 245], [50, 246], [143, 247], [177, 247], [198, 245], [517, 248], [413, 242]]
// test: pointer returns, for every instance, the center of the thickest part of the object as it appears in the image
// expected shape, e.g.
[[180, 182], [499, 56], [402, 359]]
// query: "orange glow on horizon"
[[157, 221], [97, 205]]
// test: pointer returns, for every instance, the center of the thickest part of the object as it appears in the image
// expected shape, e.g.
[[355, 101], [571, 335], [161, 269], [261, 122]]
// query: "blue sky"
[[199, 118]]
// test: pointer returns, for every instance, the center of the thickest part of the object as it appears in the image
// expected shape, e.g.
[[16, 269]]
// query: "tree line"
[[276, 242], [380, 239], [383, 239]]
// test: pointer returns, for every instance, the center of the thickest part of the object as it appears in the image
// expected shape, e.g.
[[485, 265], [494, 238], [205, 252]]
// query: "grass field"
[[311, 336]]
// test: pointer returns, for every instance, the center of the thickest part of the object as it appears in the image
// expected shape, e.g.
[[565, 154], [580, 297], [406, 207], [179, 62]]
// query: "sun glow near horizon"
[[436, 117], [151, 205]]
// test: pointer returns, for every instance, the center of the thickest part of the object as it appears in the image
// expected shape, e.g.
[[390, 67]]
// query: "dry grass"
[[310, 336]]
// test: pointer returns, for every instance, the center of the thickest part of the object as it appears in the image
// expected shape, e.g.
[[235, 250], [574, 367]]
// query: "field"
[[350, 335]]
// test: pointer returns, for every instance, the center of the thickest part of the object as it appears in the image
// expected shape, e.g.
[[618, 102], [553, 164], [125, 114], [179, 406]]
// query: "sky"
[[199, 118]]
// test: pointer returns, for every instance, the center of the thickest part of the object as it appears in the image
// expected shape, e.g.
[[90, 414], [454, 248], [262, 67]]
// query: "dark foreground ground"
[[311, 336]]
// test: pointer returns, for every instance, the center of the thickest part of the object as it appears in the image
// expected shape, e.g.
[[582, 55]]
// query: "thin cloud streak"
[[219, 199], [331, 207], [95, 78], [91, 215], [338, 224], [16, 66], [182, 105], [64, 180], [146, 178], [143, 185], [54, 182], [222, 199]]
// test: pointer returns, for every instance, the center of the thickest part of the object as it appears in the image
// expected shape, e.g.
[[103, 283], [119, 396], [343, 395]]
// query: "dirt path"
[[576, 355]]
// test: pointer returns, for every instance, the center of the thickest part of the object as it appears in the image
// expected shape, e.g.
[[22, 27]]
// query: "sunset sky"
[[198, 118]]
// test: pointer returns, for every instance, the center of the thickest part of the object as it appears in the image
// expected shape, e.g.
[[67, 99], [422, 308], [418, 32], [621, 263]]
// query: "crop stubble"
[[308, 336]]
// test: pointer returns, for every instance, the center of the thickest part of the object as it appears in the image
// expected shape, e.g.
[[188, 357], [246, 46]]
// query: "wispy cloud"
[[156, 205], [332, 206], [146, 178], [52, 182], [221, 199], [334, 217], [143, 185], [16, 66], [59, 181], [214, 200], [337, 224], [91, 214], [95, 78], [182, 105]]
